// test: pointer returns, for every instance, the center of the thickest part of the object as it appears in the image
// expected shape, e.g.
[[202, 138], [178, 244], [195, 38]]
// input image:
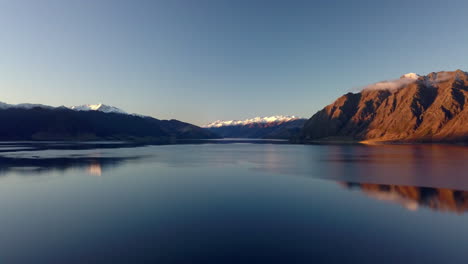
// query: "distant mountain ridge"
[[86, 107], [90, 122], [26, 106], [272, 127], [255, 120], [431, 108]]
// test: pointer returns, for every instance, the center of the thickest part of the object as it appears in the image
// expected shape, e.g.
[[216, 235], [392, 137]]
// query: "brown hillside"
[[428, 108]]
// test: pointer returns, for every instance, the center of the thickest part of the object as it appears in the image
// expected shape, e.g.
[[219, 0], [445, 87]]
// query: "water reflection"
[[225, 203], [42, 166], [413, 165], [412, 197], [95, 168]]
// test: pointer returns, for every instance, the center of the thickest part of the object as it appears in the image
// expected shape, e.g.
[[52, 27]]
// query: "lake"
[[232, 203]]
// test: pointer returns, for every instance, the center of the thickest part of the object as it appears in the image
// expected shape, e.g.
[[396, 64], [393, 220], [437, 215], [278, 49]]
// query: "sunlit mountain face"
[[414, 108], [413, 198]]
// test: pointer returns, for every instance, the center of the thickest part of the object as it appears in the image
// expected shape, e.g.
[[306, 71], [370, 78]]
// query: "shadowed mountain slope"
[[39, 123]]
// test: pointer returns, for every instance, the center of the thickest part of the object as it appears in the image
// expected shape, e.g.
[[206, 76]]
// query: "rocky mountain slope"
[[411, 109]]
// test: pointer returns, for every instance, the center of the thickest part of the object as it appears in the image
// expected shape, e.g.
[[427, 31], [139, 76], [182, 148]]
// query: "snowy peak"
[[410, 75], [98, 107], [256, 120]]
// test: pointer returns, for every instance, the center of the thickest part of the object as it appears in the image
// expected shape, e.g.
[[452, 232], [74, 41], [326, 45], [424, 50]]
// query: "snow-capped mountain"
[[430, 108], [90, 122], [98, 107], [280, 127], [255, 120], [87, 107]]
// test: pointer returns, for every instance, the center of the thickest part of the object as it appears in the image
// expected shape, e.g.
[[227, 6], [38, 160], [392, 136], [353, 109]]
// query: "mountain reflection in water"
[[226, 203], [412, 197], [36, 166]]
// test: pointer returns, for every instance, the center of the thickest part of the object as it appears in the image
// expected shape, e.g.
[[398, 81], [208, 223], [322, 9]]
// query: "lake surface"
[[232, 203]]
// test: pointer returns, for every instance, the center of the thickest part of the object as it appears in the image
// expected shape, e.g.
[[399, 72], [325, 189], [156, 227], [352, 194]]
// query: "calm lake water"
[[233, 203]]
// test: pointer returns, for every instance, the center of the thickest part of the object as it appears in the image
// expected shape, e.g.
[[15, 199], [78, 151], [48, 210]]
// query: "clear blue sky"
[[203, 60]]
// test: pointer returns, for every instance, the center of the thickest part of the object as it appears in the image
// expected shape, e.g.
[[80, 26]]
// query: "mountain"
[[98, 107], [24, 106], [273, 127], [95, 122], [413, 108], [87, 107], [412, 197]]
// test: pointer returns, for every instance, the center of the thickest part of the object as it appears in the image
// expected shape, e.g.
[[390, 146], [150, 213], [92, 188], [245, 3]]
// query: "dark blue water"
[[233, 203]]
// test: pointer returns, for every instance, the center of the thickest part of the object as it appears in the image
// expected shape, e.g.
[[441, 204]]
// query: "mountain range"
[[90, 122], [413, 108], [272, 127], [87, 107]]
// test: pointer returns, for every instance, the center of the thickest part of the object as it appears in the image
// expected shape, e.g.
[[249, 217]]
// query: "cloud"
[[389, 85], [442, 76], [429, 80], [438, 77]]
